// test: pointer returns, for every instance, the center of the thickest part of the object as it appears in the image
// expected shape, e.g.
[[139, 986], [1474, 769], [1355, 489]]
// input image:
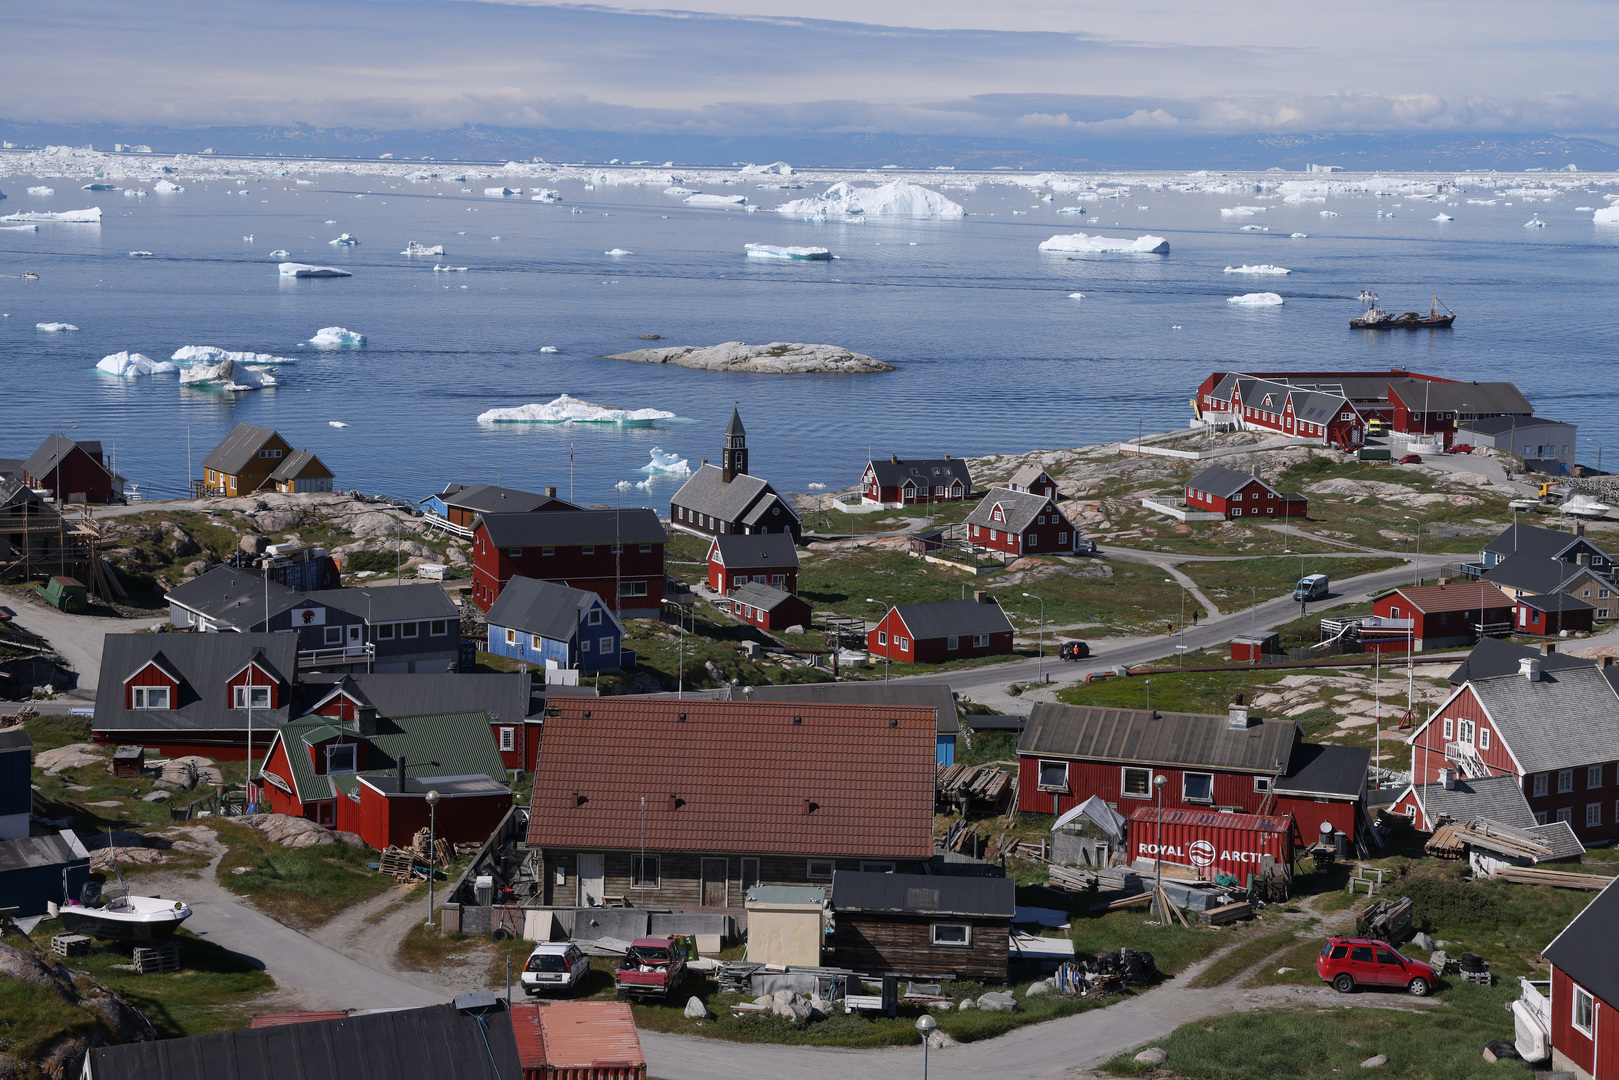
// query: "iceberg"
[[345, 239], [571, 410], [227, 375], [168, 187], [618, 251], [140, 254], [546, 195], [329, 337], [1443, 217], [41, 190], [682, 191], [336, 423], [99, 187], [623, 485], [92, 216], [1257, 299], [775, 168], [1262, 268], [437, 268], [54, 327], [135, 193], [1534, 223], [667, 464], [1608, 215], [895, 199], [18, 228], [1076, 296], [1072, 210], [493, 191], [1329, 213], [1243, 211], [304, 270], [280, 253], [1298, 235], [128, 365], [770, 251], [1106, 245], [413, 248], [213, 354], [1254, 228], [548, 348], [700, 199]]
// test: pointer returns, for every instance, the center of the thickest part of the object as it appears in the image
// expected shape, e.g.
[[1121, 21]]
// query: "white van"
[[1311, 587]]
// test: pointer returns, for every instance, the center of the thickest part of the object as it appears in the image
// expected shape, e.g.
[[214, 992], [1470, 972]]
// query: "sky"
[[1032, 68]]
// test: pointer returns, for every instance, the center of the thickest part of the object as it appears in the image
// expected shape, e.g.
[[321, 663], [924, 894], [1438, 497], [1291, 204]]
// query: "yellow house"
[[253, 458]]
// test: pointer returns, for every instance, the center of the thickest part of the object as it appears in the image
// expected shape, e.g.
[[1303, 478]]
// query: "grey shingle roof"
[[1559, 836], [1019, 508], [768, 550], [1494, 656], [541, 607], [1520, 541], [1107, 734], [1556, 602], [1223, 483], [237, 598], [388, 603], [1499, 798], [1320, 769], [1531, 572], [1588, 950], [53, 450], [1562, 720], [204, 662], [953, 618], [758, 595], [924, 894], [1499, 425], [506, 697], [708, 493], [1422, 395], [237, 449], [490, 499], [924, 473], [300, 463], [1027, 476], [567, 528]]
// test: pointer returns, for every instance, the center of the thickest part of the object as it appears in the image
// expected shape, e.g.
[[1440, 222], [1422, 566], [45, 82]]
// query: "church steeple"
[[734, 458]]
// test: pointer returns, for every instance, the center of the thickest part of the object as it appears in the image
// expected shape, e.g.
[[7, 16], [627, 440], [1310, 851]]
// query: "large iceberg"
[[91, 216], [1262, 268], [213, 354], [413, 248], [227, 375], [346, 240], [571, 410], [128, 365], [771, 251], [666, 464], [292, 269], [167, 187], [895, 199], [699, 199], [1608, 215], [1107, 245], [1257, 299], [54, 327], [775, 168], [328, 337]]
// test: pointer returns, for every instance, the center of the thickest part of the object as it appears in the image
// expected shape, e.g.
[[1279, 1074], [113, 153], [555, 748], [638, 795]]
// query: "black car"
[[1074, 650]]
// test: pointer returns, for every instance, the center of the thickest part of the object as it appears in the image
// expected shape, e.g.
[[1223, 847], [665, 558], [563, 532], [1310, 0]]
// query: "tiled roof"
[[1134, 735], [924, 894], [1223, 483], [756, 549], [204, 663], [542, 607], [576, 1035], [567, 528], [923, 474], [1457, 596], [1018, 510], [237, 449], [1561, 720], [953, 618], [739, 775]]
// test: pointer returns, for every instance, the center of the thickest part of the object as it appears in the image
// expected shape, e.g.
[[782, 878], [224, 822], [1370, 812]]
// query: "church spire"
[[734, 458]]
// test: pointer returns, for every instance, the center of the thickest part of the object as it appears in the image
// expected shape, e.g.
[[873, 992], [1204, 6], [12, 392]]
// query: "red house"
[[73, 471], [617, 554], [1556, 732], [1223, 491], [1445, 616], [1021, 523], [1032, 478], [1553, 613], [942, 630], [769, 559], [1433, 406], [767, 608], [896, 482], [1585, 992]]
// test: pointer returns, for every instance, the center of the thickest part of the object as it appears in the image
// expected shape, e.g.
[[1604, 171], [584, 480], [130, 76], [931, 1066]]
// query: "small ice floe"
[[227, 375], [347, 241], [140, 254], [135, 193], [248, 239], [92, 216], [666, 463], [1443, 217], [816, 487], [495, 192], [1256, 299], [331, 221], [1072, 210], [41, 189], [575, 210], [304, 270], [280, 253], [1076, 296], [494, 238], [167, 187], [1298, 235], [1329, 213], [213, 354], [54, 327], [438, 269], [1242, 211], [1608, 215], [19, 228], [1261, 268], [571, 410], [699, 199], [1255, 228], [618, 251], [99, 187], [331, 337], [413, 248], [624, 485], [546, 195], [335, 423], [1107, 245], [1480, 202], [1534, 223], [771, 251], [681, 191], [548, 348], [128, 365]]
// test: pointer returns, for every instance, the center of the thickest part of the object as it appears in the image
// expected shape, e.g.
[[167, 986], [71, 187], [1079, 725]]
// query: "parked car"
[[652, 968], [1354, 448], [1350, 962], [1411, 459], [1074, 650], [555, 966], [1460, 448], [1084, 547]]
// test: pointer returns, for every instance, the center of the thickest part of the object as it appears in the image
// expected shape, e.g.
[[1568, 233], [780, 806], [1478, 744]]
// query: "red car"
[[1350, 962], [1461, 448], [1411, 459]]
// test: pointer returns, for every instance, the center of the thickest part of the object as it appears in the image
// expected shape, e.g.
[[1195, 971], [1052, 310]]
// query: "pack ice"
[[502, 191], [292, 269], [1262, 268], [771, 251], [1107, 245], [413, 248], [332, 336], [92, 216], [895, 199], [775, 168], [128, 365], [571, 410], [1257, 299], [167, 187]]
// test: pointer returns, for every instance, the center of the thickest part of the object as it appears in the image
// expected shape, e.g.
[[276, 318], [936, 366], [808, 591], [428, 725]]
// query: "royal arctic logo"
[[1202, 853]]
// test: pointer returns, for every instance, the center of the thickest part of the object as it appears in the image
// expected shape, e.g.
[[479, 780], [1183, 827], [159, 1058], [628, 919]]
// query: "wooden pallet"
[[71, 944], [158, 959], [398, 863]]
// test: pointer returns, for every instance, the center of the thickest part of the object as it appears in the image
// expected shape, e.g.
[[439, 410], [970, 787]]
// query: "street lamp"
[[924, 1026], [680, 617], [1041, 667], [1418, 561], [432, 834], [888, 646], [1158, 783]]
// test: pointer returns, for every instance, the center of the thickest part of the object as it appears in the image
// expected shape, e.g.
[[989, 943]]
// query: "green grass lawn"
[[1238, 584], [302, 887], [1245, 956], [1208, 692]]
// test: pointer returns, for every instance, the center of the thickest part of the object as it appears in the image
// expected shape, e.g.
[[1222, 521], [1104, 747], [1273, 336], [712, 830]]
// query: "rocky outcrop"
[[297, 832], [106, 1017], [776, 358], [71, 756]]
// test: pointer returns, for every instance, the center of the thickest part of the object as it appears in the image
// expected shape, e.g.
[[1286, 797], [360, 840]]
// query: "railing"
[[1466, 755], [435, 522], [1493, 629], [342, 654]]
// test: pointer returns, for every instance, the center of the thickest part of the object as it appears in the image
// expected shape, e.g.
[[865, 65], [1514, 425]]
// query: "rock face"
[[776, 358], [295, 832], [63, 1056], [71, 756]]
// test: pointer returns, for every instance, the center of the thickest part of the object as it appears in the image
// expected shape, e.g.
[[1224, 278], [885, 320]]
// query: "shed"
[[1087, 835], [40, 870], [923, 924], [786, 924], [16, 796], [127, 760], [1255, 648], [1553, 614]]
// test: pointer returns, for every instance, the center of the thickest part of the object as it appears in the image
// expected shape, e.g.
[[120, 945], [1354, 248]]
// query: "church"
[[725, 500]]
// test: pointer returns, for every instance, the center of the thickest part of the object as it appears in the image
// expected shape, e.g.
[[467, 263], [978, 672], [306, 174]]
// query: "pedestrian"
[[1194, 617], [1169, 629]]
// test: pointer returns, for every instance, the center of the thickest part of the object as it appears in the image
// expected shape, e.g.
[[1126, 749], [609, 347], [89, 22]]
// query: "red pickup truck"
[[652, 968]]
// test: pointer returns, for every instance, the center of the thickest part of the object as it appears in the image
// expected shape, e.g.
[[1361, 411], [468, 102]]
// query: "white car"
[[553, 966]]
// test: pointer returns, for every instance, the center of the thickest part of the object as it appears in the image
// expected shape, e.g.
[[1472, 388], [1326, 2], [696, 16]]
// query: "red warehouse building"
[[1445, 616], [616, 554], [736, 559], [898, 483], [1211, 842], [1584, 1006], [769, 609], [1223, 491], [1020, 523], [942, 630], [1435, 406], [73, 471]]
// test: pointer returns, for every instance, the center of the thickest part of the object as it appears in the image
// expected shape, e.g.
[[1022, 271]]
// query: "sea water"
[[993, 354]]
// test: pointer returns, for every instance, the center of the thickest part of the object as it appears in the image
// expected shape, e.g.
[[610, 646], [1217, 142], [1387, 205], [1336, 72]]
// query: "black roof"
[[15, 738], [1588, 950], [240, 599], [1531, 572], [1493, 656], [490, 499], [1222, 482], [1470, 397], [1496, 425], [953, 618], [1520, 541], [924, 894], [924, 473], [542, 607], [54, 449], [506, 697], [203, 664], [438, 1042], [756, 549], [568, 528], [1556, 602], [1158, 738], [735, 426], [1319, 769]]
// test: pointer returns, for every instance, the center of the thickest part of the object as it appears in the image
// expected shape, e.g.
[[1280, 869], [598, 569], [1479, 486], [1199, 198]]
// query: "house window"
[[869, 867], [778, 580], [508, 739], [1565, 814], [1053, 776], [252, 697], [1593, 776], [334, 635], [536, 641], [818, 869], [1593, 814], [632, 588], [407, 629], [1602, 594], [958, 934], [1237, 511], [441, 627], [604, 645], [1062, 538], [1450, 729], [1483, 738], [1541, 783], [588, 549], [1197, 787], [882, 637], [952, 643], [385, 632], [1136, 783], [584, 645], [594, 618], [904, 644], [516, 553], [646, 549], [545, 551], [980, 641], [340, 758], [1540, 817], [511, 637], [1565, 780], [1261, 783], [151, 697], [645, 873], [1237, 497], [1584, 1011]]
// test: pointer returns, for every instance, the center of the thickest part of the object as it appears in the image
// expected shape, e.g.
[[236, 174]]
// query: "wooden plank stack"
[[398, 863], [1228, 913], [1071, 878], [1561, 879], [963, 783], [1445, 844], [1386, 920]]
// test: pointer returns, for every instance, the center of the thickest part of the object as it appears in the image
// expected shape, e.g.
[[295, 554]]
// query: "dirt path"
[[77, 638], [370, 933]]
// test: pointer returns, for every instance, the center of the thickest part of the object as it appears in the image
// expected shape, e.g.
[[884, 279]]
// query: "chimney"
[[365, 721], [806, 807], [705, 461], [1579, 528], [1548, 647], [1529, 668], [1447, 777], [1236, 718], [893, 459], [947, 457], [980, 596], [1607, 661], [401, 773], [550, 493]]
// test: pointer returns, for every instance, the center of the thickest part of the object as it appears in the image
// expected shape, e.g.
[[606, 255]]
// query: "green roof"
[[321, 734], [434, 744]]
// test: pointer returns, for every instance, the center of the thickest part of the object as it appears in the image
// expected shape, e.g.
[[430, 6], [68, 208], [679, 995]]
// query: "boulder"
[[156, 796], [713, 671], [195, 567], [695, 1009], [966, 1003], [790, 1006], [179, 543], [455, 556], [1423, 942], [1152, 1055], [288, 831], [939, 1039], [253, 544], [71, 756], [277, 521], [376, 524], [997, 1001], [764, 999], [1375, 1062], [1036, 989]]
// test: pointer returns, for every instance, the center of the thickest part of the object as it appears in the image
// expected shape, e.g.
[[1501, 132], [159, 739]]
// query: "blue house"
[[551, 625]]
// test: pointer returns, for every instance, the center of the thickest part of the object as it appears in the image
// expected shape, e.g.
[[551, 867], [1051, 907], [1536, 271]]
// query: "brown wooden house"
[[253, 458], [923, 924]]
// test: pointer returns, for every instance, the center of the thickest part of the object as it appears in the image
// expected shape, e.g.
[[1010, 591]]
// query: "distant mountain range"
[[1353, 152]]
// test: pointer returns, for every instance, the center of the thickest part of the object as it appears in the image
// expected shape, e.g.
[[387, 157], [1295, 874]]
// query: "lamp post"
[[1418, 562], [1041, 665], [924, 1026], [681, 677], [432, 834], [888, 646], [1158, 783], [1253, 608]]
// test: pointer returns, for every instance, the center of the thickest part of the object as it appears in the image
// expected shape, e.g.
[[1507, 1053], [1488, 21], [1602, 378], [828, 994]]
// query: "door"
[[354, 634], [592, 880], [750, 875], [714, 883], [1390, 972]]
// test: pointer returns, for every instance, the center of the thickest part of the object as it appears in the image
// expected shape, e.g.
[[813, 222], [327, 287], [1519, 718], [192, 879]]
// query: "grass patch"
[[1232, 581], [31, 1016], [1243, 957], [50, 730], [1190, 691], [1173, 948], [302, 887]]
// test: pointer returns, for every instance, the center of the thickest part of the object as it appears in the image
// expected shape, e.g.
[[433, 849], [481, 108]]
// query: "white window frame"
[[145, 694], [594, 618], [408, 630], [337, 749], [882, 637], [1542, 783], [1483, 738], [952, 643], [1593, 776], [1586, 1004], [1565, 814], [1262, 783], [584, 645], [514, 553], [334, 635], [508, 739], [638, 876], [1565, 781], [1450, 725], [385, 631], [1124, 782], [904, 644], [1540, 817], [535, 641], [950, 928], [1040, 775], [242, 697], [819, 869], [980, 641], [440, 627], [1186, 797], [604, 645], [511, 636], [1593, 815]]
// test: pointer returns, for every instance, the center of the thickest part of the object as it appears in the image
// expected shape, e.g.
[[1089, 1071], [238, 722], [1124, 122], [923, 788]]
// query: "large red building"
[[1444, 616], [1224, 491], [942, 630], [1021, 523], [73, 471], [1584, 960], [617, 554]]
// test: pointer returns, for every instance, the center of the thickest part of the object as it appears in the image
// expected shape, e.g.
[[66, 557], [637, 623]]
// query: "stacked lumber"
[[1503, 839], [398, 863], [963, 839], [1561, 879], [1445, 844], [1168, 912], [1126, 902], [1227, 913], [959, 783], [1385, 920], [1071, 878], [1022, 849]]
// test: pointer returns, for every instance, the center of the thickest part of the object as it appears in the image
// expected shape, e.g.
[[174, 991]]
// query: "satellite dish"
[[1324, 828]]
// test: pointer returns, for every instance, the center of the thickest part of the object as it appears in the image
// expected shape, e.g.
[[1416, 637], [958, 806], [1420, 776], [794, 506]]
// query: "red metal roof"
[[576, 1034], [264, 1020], [1466, 596], [756, 778], [1215, 819]]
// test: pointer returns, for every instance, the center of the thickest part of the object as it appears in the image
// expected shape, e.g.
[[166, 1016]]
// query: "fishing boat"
[[1373, 317]]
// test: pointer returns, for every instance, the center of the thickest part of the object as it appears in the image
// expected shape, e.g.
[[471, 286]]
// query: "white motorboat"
[[141, 920]]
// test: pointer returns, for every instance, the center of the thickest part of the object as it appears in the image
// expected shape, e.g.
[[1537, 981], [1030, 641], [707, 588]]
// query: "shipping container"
[[1211, 842], [1374, 454]]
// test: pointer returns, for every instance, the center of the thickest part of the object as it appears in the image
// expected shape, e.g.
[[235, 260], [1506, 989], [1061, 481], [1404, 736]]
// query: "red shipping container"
[[1211, 842]]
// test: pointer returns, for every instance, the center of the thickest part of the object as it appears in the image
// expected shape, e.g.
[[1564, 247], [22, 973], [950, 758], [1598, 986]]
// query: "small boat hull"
[[142, 921], [1404, 322]]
